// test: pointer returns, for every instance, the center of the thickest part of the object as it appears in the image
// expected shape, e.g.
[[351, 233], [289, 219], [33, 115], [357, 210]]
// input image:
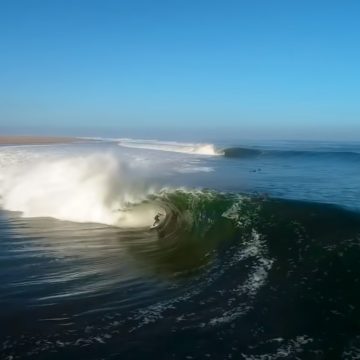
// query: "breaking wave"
[[236, 260], [171, 146], [95, 188]]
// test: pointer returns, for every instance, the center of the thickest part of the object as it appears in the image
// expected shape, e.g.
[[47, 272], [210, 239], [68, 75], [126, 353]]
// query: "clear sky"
[[255, 68]]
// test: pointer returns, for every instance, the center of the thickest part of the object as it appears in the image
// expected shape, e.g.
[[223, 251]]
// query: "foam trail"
[[93, 188], [171, 146]]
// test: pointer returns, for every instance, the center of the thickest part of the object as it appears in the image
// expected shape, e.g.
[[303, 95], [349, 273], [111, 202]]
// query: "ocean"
[[256, 255]]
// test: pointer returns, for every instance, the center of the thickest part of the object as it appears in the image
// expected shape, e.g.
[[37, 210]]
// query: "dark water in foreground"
[[228, 275]]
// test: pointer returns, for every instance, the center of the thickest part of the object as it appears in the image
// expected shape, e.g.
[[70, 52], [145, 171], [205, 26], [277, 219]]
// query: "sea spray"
[[91, 188]]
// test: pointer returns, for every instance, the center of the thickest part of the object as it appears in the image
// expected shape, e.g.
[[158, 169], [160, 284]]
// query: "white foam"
[[255, 248], [289, 347], [195, 169], [171, 146], [91, 188]]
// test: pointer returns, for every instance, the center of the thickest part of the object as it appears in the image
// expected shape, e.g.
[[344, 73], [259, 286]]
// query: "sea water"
[[257, 256]]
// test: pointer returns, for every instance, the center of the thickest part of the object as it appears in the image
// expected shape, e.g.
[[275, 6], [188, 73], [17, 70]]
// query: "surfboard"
[[154, 226]]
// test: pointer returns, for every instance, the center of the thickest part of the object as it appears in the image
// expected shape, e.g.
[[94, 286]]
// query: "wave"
[[236, 152], [243, 152], [171, 146], [101, 187], [252, 259], [239, 152], [95, 188]]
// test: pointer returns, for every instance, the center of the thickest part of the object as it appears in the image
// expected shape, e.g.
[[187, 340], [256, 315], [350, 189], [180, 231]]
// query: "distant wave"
[[236, 152], [171, 146], [242, 152], [239, 152]]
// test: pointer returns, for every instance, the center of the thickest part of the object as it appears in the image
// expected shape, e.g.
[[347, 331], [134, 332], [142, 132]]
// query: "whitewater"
[[104, 186], [172, 146]]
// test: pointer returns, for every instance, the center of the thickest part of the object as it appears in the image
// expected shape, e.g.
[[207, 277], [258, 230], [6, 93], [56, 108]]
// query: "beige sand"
[[35, 140]]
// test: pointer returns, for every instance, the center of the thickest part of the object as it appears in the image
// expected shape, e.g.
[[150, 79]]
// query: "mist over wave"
[[90, 188]]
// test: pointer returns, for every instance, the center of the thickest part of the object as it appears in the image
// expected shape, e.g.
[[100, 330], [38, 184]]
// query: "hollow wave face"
[[186, 148], [93, 188]]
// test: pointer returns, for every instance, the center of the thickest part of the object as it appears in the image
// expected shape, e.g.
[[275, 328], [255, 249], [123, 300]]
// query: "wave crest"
[[171, 146], [93, 188]]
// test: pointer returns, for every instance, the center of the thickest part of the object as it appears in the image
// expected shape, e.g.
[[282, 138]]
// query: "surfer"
[[157, 219]]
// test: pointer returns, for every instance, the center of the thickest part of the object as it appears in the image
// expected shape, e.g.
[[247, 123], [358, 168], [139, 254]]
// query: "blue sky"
[[267, 69]]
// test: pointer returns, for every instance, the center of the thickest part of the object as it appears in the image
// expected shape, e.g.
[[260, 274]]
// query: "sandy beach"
[[35, 140]]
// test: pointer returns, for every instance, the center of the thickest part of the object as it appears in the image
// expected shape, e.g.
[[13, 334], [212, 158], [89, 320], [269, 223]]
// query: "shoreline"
[[35, 140]]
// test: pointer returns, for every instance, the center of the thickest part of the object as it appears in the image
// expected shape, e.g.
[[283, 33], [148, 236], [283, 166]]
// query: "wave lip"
[[172, 146]]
